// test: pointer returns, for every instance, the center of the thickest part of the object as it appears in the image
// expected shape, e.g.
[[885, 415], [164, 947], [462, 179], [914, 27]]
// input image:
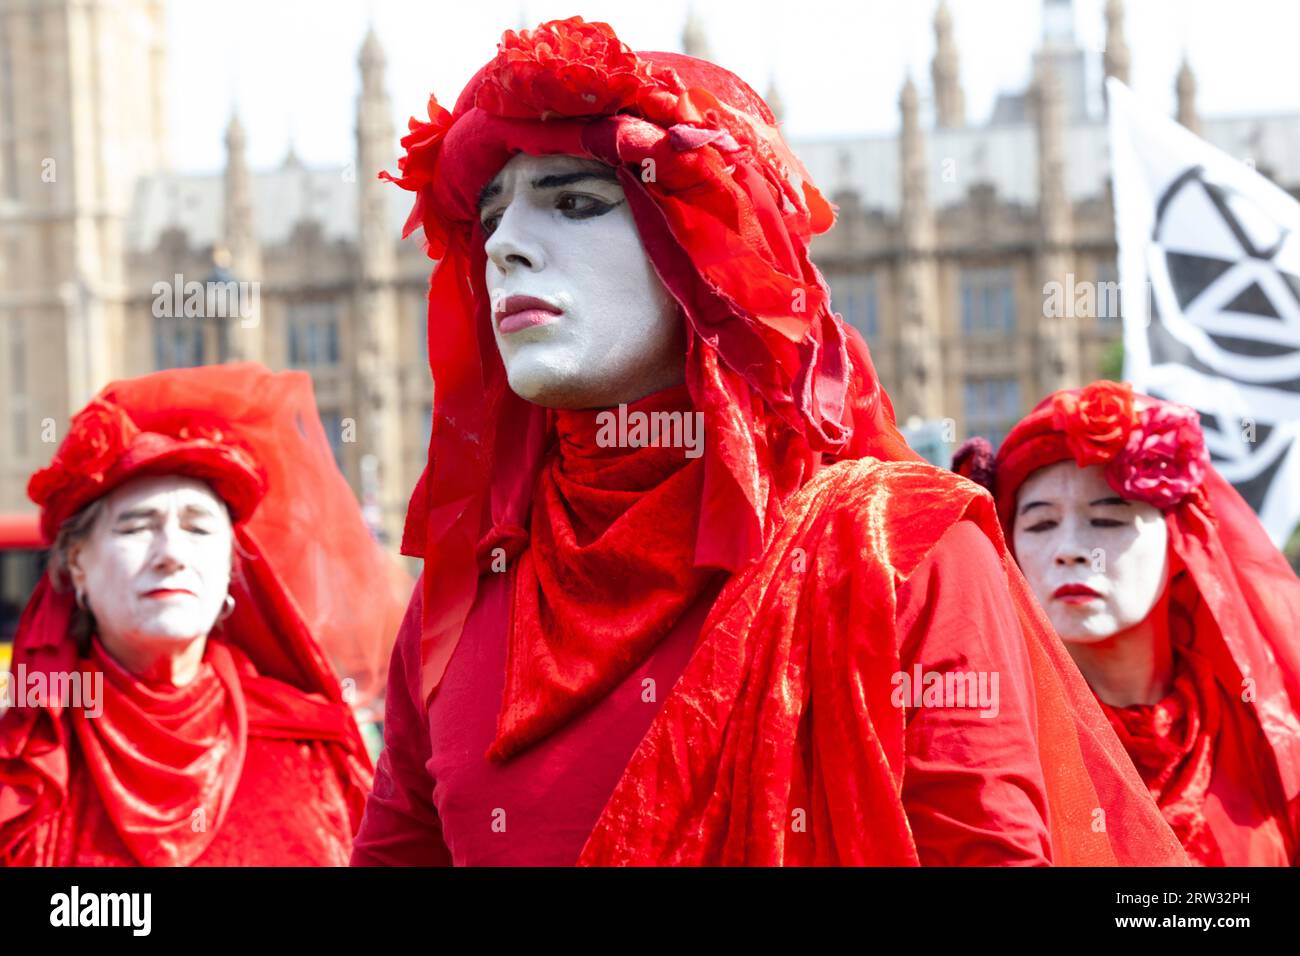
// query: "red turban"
[[726, 214]]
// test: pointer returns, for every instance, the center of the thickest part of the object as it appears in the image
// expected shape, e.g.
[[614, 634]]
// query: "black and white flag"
[[1209, 268]]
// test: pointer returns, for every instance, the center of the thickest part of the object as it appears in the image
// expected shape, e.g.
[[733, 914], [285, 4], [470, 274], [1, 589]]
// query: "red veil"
[[310, 581], [726, 214]]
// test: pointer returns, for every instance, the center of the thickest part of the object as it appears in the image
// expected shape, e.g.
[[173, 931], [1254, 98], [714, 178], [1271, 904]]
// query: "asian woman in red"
[[1177, 608]]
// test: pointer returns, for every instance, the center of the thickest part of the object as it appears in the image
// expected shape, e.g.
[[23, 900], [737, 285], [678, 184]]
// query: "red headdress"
[[726, 214], [256, 439], [1154, 451]]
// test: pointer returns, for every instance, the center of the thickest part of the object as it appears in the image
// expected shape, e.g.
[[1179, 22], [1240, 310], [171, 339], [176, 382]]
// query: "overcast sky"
[[290, 65]]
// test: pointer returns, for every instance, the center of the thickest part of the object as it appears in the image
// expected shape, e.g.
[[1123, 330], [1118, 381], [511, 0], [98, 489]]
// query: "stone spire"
[[921, 377], [1116, 58], [1049, 121], [239, 253], [949, 100], [694, 40], [1186, 88], [1058, 335], [378, 355], [376, 150], [773, 99], [917, 216], [238, 228]]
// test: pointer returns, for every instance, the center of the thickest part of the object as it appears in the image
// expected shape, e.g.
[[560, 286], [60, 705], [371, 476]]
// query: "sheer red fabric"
[[236, 426], [726, 214], [1172, 744], [1244, 596]]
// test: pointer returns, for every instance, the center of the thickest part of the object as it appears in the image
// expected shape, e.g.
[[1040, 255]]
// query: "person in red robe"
[[191, 590], [1178, 609], [632, 651]]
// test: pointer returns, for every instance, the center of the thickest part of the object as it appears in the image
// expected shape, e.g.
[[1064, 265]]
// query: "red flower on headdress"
[[1164, 458], [1096, 421], [564, 68], [97, 437]]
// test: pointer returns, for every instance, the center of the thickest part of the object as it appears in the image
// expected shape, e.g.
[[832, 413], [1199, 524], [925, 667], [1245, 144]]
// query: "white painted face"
[[155, 568], [1096, 562], [601, 329]]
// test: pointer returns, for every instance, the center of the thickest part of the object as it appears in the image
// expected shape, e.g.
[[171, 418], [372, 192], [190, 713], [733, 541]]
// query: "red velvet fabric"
[[973, 789], [610, 570], [285, 588], [1244, 602], [786, 704], [172, 756]]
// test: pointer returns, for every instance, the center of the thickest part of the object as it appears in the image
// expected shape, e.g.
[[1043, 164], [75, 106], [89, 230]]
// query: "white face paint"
[[603, 329], [155, 567], [1096, 562]]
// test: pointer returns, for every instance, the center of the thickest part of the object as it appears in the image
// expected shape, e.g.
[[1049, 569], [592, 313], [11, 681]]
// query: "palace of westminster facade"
[[947, 235]]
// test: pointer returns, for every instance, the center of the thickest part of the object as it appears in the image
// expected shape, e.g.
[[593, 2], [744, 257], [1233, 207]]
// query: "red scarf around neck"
[[166, 760], [1172, 744], [610, 567]]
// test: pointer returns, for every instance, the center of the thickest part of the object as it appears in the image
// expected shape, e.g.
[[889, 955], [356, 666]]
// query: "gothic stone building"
[[948, 234]]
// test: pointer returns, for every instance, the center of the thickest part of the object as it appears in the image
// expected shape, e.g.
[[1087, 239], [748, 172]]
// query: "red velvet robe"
[[973, 786], [289, 806]]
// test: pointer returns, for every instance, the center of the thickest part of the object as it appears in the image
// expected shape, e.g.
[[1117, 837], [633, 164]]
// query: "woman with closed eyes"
[[1178, 610], [204, 552]]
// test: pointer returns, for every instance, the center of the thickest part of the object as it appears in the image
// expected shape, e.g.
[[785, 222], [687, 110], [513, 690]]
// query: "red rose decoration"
[[1096, 421], [1164, 459], [564, 68], [422, 145], [96, 438]]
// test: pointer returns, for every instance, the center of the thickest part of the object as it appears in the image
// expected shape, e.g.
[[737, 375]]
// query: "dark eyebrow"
[[1110, 501], [605, 174], [136, 513], [1035, 504], [488, 193], [554, 181]]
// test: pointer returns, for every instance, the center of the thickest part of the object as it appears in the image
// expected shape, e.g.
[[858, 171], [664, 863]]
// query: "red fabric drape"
[[785, 704]]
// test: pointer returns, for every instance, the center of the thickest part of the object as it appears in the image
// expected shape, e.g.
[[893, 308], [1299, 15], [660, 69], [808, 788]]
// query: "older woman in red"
[[688, 650], [1173, 602], [190, 587]]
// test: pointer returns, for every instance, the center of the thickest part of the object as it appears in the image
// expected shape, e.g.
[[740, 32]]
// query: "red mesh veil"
[[726, 214], [348, 593]]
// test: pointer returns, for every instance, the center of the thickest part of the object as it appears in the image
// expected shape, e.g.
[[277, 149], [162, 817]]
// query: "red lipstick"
[[524, 312], [1075, 594]]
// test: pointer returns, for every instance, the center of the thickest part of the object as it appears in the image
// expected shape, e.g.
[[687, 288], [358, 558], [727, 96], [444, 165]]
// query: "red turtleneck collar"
[[166, 760]]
